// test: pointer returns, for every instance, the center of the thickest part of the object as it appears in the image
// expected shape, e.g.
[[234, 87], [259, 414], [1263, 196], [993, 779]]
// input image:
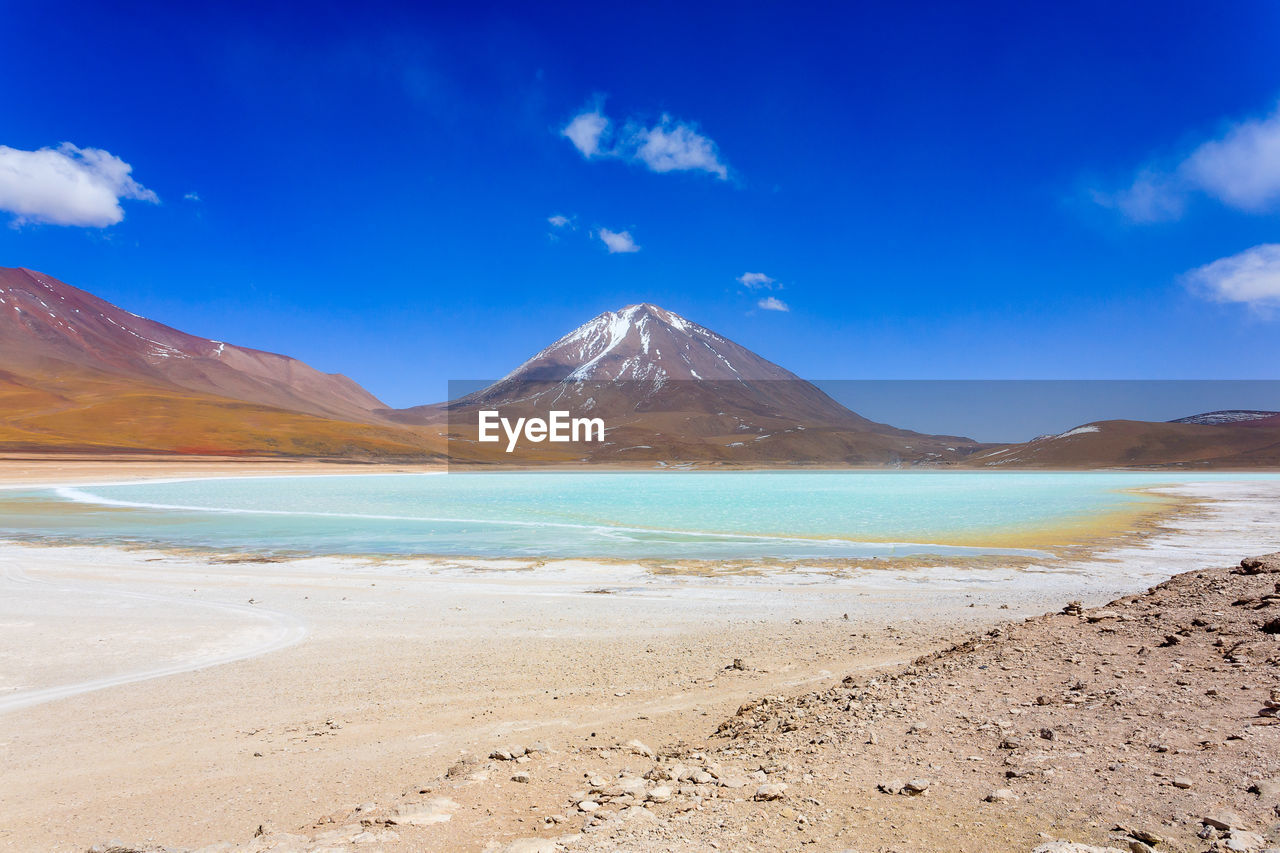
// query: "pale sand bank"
[[417, 661]]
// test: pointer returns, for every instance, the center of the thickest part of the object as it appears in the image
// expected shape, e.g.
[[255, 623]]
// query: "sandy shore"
[[182, 700]]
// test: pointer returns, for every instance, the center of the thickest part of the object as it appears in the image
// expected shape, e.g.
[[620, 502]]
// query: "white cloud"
[[67, 185], [1251, 277], [676, 147], [668, 146], [192, 196], [772, 303], [756, 281], [1240, 168], [558, 221], [586, 131], [617, 242]]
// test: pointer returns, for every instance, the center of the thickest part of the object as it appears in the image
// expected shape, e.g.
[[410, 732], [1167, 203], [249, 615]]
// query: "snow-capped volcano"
[[646, 358], [645, 343], [671, 389]]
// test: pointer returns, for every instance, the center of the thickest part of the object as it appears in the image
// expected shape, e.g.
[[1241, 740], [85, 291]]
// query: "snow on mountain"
[[1226, 416], [648, 344], [644, 357], [672, 391]]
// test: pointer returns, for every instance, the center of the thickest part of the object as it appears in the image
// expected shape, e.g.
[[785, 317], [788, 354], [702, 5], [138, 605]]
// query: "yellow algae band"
[[1134, 518]]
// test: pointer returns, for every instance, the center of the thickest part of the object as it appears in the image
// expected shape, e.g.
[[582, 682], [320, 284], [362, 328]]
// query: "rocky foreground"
[[1149, 724]]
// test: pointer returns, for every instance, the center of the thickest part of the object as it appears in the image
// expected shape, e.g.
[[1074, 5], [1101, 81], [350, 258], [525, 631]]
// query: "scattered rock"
[[1223, 820], [638, 748], [520, 777], [770, 791], [1140, 834], [660, 794], [1000, 795], [892, 786], [508, 753], [1239, 841], [916, 786], [461, 767], [1266, 564], [1181, 782], [1268, 789]]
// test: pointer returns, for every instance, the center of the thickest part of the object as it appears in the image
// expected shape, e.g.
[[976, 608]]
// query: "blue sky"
[[1000, 190]]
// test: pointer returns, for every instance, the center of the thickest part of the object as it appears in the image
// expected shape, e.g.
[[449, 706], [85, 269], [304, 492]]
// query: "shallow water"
[[625, 515]]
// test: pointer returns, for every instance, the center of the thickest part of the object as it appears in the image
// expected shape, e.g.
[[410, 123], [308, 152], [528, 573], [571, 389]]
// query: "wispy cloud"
[[757, 281], [1240, 168], [772, 303], [676, 147], [617, 242], [559, 221], [1251, 277], [67, 186], [586, 132], [192, 196], [668, 146]]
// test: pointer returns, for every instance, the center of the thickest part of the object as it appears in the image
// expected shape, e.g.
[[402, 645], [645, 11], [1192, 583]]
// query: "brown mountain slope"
[[84, 411], [80, 374], [1105, 444], [48, 327], [671, 390]]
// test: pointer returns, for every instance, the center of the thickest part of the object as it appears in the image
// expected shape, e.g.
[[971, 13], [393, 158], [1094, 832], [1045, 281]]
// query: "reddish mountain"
[[80, 374], [48, 327]]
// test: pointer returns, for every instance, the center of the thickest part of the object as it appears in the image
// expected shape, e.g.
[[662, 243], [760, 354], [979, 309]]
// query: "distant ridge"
[[1226, 416], [1186, 443]]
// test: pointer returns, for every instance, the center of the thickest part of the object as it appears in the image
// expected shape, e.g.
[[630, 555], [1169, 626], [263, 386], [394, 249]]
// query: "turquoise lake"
[[624, 515]]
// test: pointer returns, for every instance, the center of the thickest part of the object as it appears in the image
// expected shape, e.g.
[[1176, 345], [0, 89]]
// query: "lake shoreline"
[[409, 667]]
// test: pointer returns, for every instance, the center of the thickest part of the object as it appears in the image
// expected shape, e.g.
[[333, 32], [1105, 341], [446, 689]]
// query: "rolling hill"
[[80, 374]]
